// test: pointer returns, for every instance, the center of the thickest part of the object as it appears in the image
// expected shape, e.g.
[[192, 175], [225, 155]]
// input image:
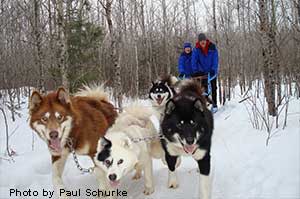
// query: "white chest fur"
[[175, 149]]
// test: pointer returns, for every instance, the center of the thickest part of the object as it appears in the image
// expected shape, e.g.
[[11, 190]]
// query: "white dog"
[[124, 149]]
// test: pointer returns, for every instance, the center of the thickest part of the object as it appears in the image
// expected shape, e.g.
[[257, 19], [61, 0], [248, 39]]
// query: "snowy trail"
[[242, 166]]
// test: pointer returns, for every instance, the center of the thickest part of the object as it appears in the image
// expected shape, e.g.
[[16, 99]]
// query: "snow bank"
[[243, 166]]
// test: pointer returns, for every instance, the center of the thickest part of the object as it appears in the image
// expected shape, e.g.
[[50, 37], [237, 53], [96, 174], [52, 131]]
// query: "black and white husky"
[[187, 127], [161, 91], [123, 149]]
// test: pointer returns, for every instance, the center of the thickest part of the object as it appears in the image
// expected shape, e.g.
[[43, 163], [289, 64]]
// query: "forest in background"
[[128, 43]]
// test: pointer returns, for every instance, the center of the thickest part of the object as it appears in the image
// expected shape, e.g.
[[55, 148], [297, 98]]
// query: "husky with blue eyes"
[[123, 149], [187, 127]]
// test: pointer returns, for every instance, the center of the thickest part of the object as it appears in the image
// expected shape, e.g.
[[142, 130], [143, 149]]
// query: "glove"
[[212, 73], [181, 76]]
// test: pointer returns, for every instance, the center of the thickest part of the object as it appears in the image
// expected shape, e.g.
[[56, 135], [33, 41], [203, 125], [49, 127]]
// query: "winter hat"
[[187, 45], [201, 37]]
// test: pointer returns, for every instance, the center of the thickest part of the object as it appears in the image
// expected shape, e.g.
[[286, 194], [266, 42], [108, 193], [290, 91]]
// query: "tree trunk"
[[167, 67], [298, 11], [38, 45], [186, 11], [267, 53], [136, 92], [216, 42], [114, 53], [62, 44], [6, 132]]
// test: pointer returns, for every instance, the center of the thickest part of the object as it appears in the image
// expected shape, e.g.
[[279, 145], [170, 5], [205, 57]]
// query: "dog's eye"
[[107, 163], [44, 119], [120, 161], [193, 123], [60, 118], [179, 125]]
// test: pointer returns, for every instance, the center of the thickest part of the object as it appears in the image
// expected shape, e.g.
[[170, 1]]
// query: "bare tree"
[[62, 43], [268, 56], [38, 45], [129, 43], [115, 40], [6, 131]]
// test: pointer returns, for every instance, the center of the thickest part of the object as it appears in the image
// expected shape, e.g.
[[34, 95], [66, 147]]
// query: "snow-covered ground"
[[243, 166]]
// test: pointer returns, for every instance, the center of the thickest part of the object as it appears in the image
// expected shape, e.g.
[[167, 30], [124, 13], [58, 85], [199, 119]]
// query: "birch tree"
[[115, 40]]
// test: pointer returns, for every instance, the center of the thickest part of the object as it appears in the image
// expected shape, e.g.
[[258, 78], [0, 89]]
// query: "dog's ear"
[[153, 83], [35, 101], [170, 106], [127, 143], [199, 105], [62, 96], [103, 143]]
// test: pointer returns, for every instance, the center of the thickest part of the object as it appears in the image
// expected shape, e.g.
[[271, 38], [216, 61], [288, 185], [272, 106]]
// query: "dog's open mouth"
[[159, 100], [55, 145], [190, 148], [114, 183]]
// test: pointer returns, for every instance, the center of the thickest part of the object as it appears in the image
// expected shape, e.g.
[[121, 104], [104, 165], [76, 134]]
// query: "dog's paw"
[[148, 191], [173, 185], [172, 180], [137, 176]]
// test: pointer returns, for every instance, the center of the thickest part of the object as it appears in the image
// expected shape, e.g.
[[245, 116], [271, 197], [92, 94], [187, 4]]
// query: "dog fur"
[[161, 91], [119, 153], [58, 117], [187, 128]]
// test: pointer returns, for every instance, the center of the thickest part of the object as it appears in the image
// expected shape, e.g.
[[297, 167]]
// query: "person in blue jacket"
[[205, 60], [185, 61]]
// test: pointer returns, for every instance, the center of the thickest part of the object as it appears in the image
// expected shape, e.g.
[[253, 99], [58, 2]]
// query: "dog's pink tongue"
[[159, 100], [55, 144], [114, 184], [190, 148]]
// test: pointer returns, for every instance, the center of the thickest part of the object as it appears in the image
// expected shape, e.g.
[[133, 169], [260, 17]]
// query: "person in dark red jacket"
[[205, 61]]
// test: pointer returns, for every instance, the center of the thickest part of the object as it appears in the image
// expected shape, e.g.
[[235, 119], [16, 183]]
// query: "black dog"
[[187, 128]]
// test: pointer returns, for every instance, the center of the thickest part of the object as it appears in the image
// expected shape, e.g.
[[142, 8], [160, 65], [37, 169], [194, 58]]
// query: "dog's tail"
[[139, 110], [169, 79], [190, 86], [172, 80], [144, 114], [94, 91]]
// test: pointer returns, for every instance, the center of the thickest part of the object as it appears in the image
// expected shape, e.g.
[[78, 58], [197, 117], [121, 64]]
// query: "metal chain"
[[80, 168], [147, 139], [91, 169]]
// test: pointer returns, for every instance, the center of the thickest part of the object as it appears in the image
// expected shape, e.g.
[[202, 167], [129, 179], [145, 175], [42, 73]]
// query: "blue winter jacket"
[[202, 63], [185, 64]]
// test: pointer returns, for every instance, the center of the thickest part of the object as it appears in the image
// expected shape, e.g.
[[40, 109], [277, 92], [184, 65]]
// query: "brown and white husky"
[[83, 118]]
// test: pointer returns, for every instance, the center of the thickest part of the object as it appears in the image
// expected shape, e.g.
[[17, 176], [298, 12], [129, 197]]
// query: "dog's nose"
[[53, 134], [158, 96], [189, 140], [112, 177]]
